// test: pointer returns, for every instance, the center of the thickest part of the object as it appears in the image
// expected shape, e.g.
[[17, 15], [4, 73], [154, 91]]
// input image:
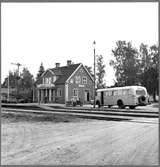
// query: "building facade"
[[62, 84]]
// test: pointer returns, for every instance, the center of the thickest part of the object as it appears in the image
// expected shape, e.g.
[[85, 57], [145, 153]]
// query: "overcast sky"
[[56, 32]]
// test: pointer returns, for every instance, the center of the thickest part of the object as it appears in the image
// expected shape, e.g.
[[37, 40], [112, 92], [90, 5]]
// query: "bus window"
[[107, 94], [112, 93], [140, 92], [115, 92], [120, 92], [130, 92], [125, 91]]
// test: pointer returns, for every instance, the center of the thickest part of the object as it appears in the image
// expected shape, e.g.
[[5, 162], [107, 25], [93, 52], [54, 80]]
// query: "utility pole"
[[8, 87], [18, 65], [94, 43]]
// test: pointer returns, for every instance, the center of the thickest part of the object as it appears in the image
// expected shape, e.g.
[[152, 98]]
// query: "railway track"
[[86, 113]]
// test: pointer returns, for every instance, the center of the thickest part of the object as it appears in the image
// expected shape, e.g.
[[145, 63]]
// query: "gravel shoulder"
[[29, 140]]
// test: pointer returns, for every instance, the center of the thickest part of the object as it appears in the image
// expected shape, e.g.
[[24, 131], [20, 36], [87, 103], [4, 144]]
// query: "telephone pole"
[[8, 86], [94, 43], [18, 65]]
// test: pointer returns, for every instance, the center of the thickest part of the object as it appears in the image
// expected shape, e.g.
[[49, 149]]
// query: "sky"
[[32, 33]]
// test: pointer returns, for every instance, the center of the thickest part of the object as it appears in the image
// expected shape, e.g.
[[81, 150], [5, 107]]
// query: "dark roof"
[[56, 71], [65, 72]]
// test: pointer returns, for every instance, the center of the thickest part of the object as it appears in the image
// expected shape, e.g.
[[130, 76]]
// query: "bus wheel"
[[98, 103], [132, 107], [120, 104]]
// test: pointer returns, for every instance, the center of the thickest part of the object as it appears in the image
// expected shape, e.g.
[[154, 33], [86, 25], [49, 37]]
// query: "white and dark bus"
[[130, 96]]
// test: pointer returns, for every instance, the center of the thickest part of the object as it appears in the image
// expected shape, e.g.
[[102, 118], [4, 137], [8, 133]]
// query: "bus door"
[[102, 98]]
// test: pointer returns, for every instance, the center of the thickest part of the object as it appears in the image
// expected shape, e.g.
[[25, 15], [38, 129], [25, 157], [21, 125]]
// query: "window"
[[115, 92], [49, 80], [125, 92], [59, 92], [46, 80], [84, 80], [140, 92], [78, 80], [75, 92], [54, 78], [107, 94], [120, 92]]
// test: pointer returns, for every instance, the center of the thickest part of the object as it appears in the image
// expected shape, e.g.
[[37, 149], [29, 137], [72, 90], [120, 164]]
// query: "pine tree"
[[40, 72]]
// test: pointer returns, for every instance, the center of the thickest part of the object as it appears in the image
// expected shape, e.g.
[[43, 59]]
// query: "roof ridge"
[[64, 66]]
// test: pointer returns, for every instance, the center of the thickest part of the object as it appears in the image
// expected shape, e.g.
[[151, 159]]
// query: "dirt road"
[[79, 142]]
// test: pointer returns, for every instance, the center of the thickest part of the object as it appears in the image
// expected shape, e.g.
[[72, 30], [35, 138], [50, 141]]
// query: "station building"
[[61, 84]]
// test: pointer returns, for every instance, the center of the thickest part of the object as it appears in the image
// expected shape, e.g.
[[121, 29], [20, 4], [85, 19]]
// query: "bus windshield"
[[140, 92]]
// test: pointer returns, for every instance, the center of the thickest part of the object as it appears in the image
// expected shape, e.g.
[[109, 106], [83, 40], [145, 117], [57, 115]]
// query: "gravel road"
[[79, 142]]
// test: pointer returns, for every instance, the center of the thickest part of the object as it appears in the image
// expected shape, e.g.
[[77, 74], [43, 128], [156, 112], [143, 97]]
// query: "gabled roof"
[[65, 72], [56, 71]]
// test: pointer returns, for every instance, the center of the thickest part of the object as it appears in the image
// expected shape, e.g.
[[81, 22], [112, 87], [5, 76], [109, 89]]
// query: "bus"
[[130, 96]]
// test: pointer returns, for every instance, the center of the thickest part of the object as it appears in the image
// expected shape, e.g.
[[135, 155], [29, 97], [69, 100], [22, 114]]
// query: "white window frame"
[[46, 80], [107, 93], [75, 90], [59, 92], [110, 93], [115, 93], [84, 80], [49, 80]]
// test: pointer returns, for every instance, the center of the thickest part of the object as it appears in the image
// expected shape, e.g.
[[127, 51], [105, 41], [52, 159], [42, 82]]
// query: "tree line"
[[24, 83], [132, 67], [136, 66]]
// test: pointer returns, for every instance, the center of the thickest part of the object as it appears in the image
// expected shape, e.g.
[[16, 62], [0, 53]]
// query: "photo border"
[[84, 1]]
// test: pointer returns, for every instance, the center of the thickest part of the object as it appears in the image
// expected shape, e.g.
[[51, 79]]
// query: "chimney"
[[57, 65], [69, 62]]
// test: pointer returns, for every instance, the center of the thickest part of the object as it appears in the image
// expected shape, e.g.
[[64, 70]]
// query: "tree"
[[40, 72], [12, 80], [149, 68], [126, 63], [25, 85], [100, 72], [26, 79]]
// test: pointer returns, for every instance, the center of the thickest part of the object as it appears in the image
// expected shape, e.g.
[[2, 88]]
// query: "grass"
[[56, 118]]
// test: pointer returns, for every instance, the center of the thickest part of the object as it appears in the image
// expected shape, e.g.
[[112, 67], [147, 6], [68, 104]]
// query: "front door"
[[86, 95], [102, 98]]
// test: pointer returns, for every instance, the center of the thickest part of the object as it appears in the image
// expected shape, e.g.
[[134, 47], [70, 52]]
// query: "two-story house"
[[61, 84]]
